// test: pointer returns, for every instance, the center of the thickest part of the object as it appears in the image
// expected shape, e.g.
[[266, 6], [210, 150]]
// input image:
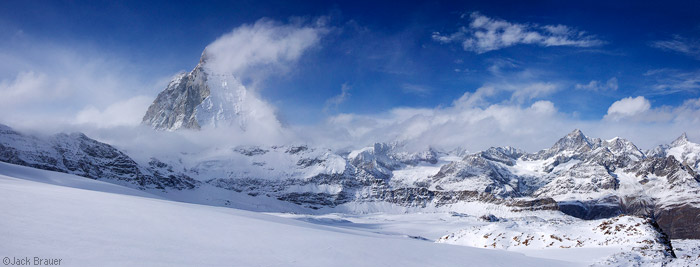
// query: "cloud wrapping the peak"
[[486, 34], [264, 44]]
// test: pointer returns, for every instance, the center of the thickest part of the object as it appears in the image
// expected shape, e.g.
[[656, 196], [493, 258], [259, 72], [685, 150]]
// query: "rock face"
[[581, 176], [176, 107], [206, 97]]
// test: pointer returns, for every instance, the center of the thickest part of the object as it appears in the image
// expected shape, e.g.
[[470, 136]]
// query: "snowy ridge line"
[[583, 177]]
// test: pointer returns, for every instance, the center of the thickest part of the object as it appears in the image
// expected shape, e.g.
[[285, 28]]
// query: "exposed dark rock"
[[679, 221], [593, 209], [296, 149], [175, 106], [251, 151]]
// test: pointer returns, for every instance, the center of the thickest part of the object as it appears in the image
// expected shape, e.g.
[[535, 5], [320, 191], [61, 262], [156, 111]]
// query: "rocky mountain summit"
[[205, 97]]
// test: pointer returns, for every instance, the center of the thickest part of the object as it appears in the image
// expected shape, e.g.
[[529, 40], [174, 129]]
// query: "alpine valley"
[[582, 201]]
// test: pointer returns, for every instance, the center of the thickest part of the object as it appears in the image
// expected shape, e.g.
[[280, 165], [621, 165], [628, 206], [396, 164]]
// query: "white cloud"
[[669, 81], [447, 128], [679, 44], [532, 91], [628, 107], [544, 107], [476, 99], [44, 84], [123, 113], [598, 86], [334, 102], [265, 45], [416, 89], [26, 86], [473, 123], [498, 65], [486, 34]]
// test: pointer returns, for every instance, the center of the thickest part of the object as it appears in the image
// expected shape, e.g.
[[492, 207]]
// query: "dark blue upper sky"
[[387, 54]]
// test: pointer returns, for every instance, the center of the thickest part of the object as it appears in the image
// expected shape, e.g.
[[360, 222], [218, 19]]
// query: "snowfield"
[[85, 222]]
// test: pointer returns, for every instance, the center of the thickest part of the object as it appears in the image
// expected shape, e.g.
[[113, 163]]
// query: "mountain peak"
[[681, 140], [576, 133], [572, 141], [204, 97], [204, 58]]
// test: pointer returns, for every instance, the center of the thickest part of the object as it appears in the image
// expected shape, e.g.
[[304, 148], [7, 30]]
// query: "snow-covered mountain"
[[80, 155], [585, 177], [581, 176], [205, 97]]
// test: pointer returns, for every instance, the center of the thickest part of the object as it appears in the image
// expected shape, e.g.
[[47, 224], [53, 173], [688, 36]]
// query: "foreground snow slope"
[[92, 223]]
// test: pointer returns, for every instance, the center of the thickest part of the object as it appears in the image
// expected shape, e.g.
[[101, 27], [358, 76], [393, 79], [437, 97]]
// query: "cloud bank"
[[47, 85], [473, 123], [486, 34]]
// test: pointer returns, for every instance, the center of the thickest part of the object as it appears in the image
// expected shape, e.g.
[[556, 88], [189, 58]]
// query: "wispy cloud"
[[253, 51], [416, 89], [669, 81], [680, 44], [486, 34], [333, 102], [47, 84], [123, 113], [598, 86]]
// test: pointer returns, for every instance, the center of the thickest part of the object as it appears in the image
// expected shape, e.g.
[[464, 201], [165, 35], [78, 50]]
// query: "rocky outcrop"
[[679, 221], [176, 106]]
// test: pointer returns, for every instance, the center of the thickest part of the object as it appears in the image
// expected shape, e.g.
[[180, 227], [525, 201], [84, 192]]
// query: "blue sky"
[[371, 59]]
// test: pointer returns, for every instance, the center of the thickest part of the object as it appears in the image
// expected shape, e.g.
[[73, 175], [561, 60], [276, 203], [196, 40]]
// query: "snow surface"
[[91, 223]]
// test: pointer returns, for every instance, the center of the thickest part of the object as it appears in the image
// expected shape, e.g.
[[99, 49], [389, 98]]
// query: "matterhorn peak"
[[207, 98], [204, 57], [681, 140]]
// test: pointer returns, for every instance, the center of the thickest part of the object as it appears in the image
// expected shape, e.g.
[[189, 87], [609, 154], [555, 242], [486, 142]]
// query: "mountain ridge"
[[580, 176]]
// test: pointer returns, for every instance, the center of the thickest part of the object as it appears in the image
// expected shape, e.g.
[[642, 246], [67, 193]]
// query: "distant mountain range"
[[583, 177]]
